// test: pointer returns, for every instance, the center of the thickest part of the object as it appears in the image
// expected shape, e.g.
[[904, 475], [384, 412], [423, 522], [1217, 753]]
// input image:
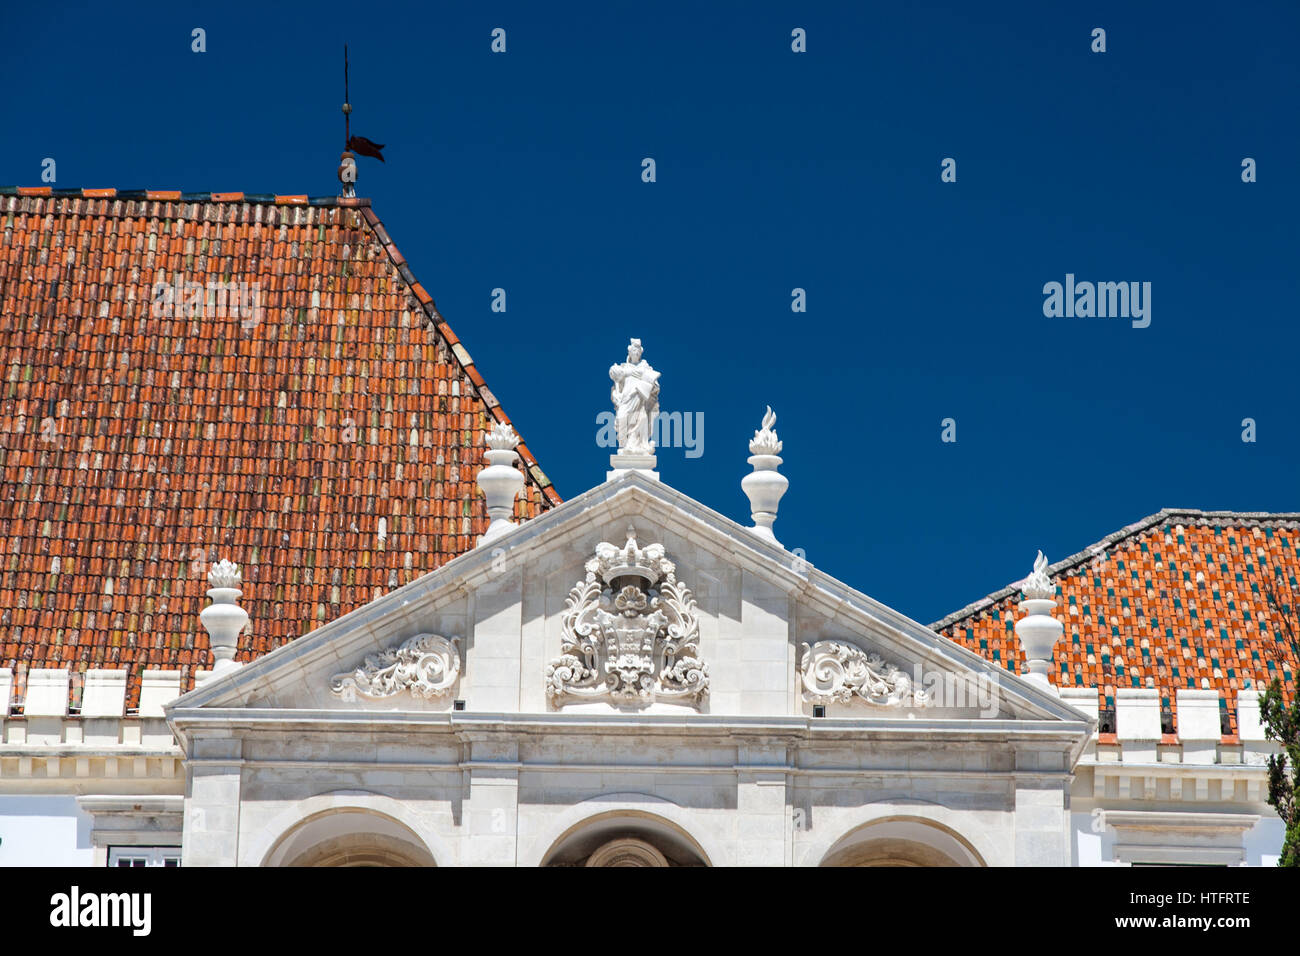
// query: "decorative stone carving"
[[765, 441], [1038, 586], [500, 481], [636, 405], [225, 574], [224, 619], [835, 672], [427, 666], [631, 633], [764, 486], [1038, 630]]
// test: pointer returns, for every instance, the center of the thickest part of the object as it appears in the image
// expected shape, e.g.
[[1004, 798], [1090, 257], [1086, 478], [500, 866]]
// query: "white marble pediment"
[[738, 626]]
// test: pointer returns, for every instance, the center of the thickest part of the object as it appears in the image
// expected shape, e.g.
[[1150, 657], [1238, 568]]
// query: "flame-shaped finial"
[[225, 574], [1038, 586], [765, 441], [502, 437]]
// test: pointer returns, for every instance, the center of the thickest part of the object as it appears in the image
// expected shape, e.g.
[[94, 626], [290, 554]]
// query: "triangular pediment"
[[778, 636]]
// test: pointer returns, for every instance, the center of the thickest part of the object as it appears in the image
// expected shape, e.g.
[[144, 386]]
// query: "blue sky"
[[778, 170]]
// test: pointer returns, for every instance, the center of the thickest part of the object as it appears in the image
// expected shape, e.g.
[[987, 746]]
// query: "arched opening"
[[902, 841], [350, 837], [625, 838]]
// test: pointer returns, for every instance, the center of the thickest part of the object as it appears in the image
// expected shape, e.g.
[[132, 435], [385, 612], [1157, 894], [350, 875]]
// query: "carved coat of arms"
[[631, 633]]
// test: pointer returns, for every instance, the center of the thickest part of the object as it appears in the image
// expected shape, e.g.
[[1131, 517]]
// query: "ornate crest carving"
[[835, 672], [631, 633], [427, 665]]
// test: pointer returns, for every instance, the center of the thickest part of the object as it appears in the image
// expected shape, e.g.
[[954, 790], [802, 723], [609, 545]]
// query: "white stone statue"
[[636, 402]]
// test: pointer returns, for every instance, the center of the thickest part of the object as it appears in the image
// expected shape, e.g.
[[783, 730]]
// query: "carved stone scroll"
[[426, 666], [836, 672]]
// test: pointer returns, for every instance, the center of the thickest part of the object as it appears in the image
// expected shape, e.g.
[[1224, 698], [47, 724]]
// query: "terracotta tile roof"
[[1171, 602], [327, 442]]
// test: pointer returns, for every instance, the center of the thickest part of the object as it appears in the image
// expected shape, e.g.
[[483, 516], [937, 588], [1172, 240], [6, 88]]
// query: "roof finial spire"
[[764, 486], [352, 145], [347, 162], [500, 481], [224, 618]]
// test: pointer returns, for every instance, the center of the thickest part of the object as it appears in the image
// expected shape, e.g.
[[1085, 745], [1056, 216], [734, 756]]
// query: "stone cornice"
[[467, 727], [1183, 782]]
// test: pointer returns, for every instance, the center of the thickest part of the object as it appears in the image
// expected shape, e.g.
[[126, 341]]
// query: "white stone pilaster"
[[492, 660], [1042, 824], [491, 813], [764, 823], [211, 828], [765, 647]]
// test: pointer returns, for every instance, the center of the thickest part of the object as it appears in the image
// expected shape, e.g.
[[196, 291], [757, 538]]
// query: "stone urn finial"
[[500, 481], [1038, 630], [765, 485], [223, 619]]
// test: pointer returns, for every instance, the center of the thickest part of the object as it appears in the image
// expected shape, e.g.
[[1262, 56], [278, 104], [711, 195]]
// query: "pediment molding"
[[582, 521]]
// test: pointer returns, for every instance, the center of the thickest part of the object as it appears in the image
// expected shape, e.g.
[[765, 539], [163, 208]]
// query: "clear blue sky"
[[779, 170]]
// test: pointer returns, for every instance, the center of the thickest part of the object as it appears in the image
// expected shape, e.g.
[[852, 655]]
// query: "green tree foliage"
[[1282, 721]]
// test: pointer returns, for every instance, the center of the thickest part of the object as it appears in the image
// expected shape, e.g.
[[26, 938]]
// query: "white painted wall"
[[1263, 842], [1091, 848], [44, 831]]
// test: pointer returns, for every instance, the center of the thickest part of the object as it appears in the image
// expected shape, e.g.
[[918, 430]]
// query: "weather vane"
[[353, 145]]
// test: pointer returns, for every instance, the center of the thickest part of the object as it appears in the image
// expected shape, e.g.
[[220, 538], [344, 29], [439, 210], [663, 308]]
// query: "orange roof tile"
[[1172, 602], [328, 442]]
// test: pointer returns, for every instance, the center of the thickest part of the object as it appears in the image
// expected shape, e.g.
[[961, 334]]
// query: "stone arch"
[[347, 828], [902, 840], [624, 829]]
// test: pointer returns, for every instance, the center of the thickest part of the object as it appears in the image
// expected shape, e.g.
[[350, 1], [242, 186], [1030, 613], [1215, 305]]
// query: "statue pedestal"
[[620, 463]]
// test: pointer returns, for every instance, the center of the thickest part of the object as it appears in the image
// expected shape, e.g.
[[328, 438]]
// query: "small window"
[[144, 856]]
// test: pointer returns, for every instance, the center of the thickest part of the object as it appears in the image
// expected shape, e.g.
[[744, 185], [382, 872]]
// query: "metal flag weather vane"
[[357, 145]]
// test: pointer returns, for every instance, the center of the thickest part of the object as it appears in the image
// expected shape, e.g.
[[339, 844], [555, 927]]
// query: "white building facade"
[[630, 678]]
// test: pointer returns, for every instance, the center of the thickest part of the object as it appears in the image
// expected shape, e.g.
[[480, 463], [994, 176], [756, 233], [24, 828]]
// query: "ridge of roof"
[[177, 195], [434, 318], [1286, 518]]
